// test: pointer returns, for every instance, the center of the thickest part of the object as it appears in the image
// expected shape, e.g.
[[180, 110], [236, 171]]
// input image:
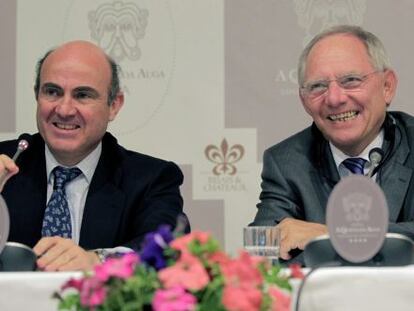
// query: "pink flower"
[[281, 301], [173, 299], [73, 283], [93, 292], [242, 270], [296, 271], [187, 272], [198, 276], [122, 267], [219, 258], [241, 298], [181, 243], [242, 283]]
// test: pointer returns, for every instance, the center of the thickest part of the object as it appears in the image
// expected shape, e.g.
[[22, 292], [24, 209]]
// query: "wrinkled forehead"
[[340, 52]]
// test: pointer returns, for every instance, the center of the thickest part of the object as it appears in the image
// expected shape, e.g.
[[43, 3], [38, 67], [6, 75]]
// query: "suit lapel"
[[102, 217], [395, 186], [330, 174], [325, 174], [105, 202], [323, 159], [394, 177]]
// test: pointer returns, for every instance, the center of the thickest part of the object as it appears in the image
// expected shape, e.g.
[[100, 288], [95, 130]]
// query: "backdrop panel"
[[208, 84]]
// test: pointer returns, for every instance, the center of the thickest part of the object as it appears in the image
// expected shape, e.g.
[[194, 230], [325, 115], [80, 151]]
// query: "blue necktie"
[[56, 221], [355, 165]]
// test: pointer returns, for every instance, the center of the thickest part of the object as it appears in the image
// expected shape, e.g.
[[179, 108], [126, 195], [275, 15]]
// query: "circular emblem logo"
[[4, 223], [357, 218]]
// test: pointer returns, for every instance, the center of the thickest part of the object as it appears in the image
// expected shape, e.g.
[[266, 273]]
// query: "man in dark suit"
[[346, 84], [116, 196]]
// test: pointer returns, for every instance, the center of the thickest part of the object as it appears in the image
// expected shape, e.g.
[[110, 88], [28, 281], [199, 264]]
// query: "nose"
[[335, 95], [66, 107]]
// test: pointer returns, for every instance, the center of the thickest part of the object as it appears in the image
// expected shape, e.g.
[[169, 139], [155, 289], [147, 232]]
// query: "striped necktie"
[[355, 165]]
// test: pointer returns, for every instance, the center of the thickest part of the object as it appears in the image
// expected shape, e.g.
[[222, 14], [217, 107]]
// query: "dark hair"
[[114, 87]]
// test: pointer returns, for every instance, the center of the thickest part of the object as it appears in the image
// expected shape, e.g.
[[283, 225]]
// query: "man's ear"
[[116, 105], [390, 85]]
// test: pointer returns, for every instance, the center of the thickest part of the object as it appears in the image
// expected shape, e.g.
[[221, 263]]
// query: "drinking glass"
[[262, 241]]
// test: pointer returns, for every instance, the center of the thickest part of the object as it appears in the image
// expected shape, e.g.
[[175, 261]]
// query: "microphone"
[[22, 145], [375, 157]]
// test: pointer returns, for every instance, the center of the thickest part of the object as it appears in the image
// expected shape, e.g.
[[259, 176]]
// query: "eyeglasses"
[[348, 82]]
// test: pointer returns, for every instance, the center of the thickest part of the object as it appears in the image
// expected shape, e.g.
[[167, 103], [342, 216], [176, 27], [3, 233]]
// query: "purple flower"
[[152, 252]]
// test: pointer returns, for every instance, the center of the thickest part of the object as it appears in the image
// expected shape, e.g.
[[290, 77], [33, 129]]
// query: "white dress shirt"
[[339, 156], [77, 189]]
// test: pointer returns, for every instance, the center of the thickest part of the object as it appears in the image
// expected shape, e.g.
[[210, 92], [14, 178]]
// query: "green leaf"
[[70, 302], [274, 275]]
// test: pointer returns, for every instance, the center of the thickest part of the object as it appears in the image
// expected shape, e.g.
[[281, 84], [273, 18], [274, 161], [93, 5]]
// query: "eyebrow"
[[351, 73], [87, 89], [51, 85]]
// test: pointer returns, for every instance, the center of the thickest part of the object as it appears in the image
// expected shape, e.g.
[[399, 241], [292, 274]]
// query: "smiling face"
[[72, 106], [350, 119]]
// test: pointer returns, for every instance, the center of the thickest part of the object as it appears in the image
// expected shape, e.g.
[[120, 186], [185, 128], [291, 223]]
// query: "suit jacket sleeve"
[[277, 199], [131, 194], [162, 203]]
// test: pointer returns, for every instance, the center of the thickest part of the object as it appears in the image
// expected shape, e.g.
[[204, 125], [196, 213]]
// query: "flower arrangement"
[[186, 273]]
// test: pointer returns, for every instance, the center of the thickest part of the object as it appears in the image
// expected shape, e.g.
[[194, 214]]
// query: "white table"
[[359, 289], [328, 289], [31, 290]]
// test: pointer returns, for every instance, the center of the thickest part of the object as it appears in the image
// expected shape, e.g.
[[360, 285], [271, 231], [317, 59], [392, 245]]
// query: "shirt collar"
[[339, 156], [87, 165]]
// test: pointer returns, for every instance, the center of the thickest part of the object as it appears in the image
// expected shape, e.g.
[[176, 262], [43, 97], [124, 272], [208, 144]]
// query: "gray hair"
[[375, 48], [114, 87]]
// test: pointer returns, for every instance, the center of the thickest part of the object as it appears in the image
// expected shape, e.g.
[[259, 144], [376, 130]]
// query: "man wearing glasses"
[[345, 85]]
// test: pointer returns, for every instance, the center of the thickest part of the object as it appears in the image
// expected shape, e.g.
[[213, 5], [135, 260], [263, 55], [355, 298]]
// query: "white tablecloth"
[[328, 289], [359, 289], [31, 290]]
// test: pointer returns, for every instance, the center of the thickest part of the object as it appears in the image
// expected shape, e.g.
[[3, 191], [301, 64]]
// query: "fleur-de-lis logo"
[[224, 157]]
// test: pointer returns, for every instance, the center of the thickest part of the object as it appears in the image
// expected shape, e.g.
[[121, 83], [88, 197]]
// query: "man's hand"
[[60, 254], [296, 233], [7, 169]]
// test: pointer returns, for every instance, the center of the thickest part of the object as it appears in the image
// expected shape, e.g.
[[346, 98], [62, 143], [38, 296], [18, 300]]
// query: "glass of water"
[[262, 241]]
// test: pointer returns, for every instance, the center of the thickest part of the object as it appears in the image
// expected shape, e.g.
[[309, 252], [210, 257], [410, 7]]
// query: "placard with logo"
[[357, 218]]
